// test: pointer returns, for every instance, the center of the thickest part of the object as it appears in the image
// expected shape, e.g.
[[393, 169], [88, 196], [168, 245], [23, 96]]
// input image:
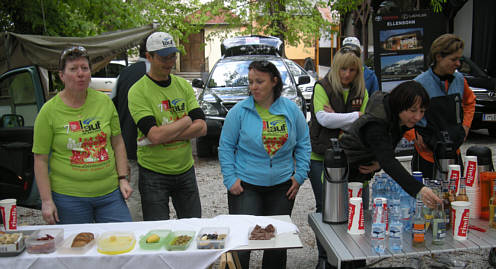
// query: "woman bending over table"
[[77, 134], [264, 153]]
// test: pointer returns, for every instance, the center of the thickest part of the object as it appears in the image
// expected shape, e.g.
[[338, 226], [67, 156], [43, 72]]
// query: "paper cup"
[[355, 189], [9, 214], [460, 213], [355, 216], [471, 171], [454, 177]]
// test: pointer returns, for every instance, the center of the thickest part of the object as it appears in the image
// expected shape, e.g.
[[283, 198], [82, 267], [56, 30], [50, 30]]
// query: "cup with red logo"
[[460, 213], [454, 177], [471, 171], [355, 189], [355, 216], [9, 214]]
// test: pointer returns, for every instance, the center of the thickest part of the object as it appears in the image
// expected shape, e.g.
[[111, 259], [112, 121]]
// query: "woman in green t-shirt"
[[337, 101], [77, 137]]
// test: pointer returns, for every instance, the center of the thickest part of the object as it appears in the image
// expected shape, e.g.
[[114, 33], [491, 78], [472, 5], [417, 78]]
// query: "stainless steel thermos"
[[335, 204]]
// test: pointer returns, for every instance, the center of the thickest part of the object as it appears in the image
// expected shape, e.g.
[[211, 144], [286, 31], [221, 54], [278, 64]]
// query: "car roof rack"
[[252, 45]]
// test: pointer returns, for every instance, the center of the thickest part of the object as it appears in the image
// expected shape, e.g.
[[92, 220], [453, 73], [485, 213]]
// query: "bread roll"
[[82, 239]]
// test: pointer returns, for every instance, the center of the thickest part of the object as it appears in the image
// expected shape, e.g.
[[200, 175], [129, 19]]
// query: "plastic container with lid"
[[113, 243], [11, 243], [179, 240], [44, 241], [162, 238], [212, 238], [67, 248]]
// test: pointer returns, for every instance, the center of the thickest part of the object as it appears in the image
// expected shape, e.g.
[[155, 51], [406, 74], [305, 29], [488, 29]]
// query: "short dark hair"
[[72, 53], [268, 67], [406, 94]]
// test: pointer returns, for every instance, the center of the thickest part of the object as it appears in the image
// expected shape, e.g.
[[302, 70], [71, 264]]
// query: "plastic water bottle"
[[395, 228], [405, 211], [378, 231]]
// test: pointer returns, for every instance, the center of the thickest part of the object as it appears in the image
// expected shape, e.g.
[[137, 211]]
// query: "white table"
[[239, 226]]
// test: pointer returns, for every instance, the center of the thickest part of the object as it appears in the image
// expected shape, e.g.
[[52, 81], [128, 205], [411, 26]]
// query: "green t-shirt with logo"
[[82, 161], [274, 130], [320, 99], [166, 105]]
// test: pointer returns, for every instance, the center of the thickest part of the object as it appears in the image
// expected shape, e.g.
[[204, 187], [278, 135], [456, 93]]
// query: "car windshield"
[[295, 69], [235, 74]]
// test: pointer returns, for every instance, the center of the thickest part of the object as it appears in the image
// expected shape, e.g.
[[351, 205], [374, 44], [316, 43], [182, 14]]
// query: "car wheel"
[[492, 131]]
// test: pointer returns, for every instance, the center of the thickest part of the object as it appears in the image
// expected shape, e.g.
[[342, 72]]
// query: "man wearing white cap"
[[167, 115], [369, 76]]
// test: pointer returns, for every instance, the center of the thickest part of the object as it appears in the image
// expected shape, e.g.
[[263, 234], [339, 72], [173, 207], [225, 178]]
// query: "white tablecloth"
[[138, 258]]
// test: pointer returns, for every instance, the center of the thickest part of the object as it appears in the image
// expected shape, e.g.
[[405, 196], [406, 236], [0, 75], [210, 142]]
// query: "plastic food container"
[[66, 247], [212, 238], [113, 243], [179, 240], [44, 241], [11, 243], [162, 238]]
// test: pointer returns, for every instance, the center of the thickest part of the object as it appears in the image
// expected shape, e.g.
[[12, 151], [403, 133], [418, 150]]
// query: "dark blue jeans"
[[106, 208], [156, 189], [262, 201]]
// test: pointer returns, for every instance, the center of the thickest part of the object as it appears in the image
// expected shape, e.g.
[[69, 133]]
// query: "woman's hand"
[[328, 109], [49, 212], [125, 188], [368, 169], [429, 198], [236, 188], [293, 190]]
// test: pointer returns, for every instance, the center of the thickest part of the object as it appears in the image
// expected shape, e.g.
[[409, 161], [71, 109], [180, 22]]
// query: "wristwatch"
[[126, 177]]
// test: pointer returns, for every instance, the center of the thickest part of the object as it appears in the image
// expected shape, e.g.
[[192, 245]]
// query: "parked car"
[[484, 88], [306, 89], [105, 79], [227, 83]]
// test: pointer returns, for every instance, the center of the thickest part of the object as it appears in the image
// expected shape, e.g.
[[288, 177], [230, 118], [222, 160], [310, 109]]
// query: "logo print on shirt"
[[85, 126], [176, 105]]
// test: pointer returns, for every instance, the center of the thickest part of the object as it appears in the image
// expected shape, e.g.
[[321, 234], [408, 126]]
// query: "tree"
[[293, 21]]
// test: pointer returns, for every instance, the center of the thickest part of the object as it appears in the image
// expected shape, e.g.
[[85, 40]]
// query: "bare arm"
[[170, 132], [121, 164], [48, 208], [196, 129]]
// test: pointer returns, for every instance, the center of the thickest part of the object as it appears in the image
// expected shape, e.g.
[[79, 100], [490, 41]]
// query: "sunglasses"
[[349, 49], [74, 51]]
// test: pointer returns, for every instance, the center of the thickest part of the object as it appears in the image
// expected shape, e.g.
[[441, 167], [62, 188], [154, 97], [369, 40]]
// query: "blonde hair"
[[445, 45], [346, 60]]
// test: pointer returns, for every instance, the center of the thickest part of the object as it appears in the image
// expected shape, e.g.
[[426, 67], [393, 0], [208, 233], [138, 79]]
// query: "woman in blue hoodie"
[[264, 153]]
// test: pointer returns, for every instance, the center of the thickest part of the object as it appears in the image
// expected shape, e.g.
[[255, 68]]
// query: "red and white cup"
[[355, 216], [454, 176], [9, 214], [355, 189], [471, 171], [460, 213]]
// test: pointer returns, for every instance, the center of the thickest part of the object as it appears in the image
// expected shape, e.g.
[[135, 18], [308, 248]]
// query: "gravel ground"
[[214, 202]]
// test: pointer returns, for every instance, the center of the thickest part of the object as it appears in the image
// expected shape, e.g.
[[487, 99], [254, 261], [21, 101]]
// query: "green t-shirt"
[[166, 104], [320, 99], [82, 161], [274, 131]]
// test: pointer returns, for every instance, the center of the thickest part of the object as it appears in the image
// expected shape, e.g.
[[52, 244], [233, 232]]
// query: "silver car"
[[306, 89]]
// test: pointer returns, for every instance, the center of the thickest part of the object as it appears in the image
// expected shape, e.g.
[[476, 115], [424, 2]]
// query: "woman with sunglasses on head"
[[337, 101], [452, 103], [77, 134], [264, 152]]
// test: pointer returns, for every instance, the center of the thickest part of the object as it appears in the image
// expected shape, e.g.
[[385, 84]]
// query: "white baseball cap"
[[161, 43], [351, 40]]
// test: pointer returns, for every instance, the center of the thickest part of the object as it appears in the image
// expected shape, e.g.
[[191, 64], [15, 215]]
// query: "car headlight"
[[208, 108]]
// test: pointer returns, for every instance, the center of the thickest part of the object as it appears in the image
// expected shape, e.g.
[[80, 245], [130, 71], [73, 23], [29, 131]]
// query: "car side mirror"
[[303, 80], [197, 83]]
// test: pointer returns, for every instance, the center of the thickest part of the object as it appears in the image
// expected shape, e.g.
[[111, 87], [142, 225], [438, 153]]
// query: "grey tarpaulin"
[[18, 50]]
